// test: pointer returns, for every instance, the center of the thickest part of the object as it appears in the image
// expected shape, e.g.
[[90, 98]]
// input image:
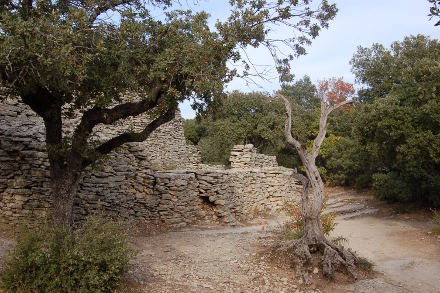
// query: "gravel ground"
[[225, 259], [234, 259]]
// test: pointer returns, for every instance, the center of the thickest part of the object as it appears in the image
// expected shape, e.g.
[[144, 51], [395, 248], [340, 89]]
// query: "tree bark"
[[63, 192], [311, 206]]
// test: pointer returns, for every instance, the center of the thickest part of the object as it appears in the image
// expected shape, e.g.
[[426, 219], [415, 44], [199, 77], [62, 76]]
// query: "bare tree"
[[314, 240]]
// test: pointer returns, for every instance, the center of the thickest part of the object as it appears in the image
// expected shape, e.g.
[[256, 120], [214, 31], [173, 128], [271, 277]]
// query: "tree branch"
[[334, 107], [325, 112], [10, 3], [317, 142], [44, 104], [305, 182], [107, 5], [97, 115], [288, 124], [126, 137]]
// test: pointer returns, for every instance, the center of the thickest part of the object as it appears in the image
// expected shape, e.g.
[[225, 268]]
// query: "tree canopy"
[[399, 127], [241, 119]]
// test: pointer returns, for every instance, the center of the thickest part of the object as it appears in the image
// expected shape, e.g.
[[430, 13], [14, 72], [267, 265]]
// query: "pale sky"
[[358, 23]]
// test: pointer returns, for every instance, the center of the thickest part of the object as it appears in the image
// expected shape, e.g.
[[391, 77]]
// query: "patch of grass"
[[436, 222], [339, 240], [436, 230], [364, 264], [293, 229], [436, 217], [290, 232]]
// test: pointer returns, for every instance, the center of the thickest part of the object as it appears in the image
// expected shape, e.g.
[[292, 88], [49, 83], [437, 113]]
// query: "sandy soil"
[[407, 257]]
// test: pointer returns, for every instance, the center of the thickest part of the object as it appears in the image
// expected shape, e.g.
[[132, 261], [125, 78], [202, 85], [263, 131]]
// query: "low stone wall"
[[160, 180], [246, 156], [182, 197]]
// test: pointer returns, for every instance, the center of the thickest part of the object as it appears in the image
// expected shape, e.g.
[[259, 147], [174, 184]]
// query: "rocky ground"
[[234, 259], [225, 259]]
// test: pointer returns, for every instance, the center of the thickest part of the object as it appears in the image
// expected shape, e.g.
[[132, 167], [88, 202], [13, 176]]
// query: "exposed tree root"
[[336, 257], [333, 258]]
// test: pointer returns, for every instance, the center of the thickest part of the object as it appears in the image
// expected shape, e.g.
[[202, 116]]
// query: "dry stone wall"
[[159, 180], [246, 156]]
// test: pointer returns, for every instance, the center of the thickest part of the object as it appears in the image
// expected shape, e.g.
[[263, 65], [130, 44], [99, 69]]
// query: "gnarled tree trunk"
[[67, 162], [314, 240]]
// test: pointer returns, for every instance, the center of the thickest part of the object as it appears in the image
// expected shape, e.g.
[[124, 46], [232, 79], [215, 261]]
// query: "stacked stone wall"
[[159, 180], [246, 156]]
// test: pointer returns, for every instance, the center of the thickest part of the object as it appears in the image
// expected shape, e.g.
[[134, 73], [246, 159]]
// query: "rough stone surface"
[[246, 156], [159, 180]]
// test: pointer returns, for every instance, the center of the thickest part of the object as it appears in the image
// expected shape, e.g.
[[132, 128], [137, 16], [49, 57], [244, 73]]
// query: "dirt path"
[[223, 259], [213, 260], [408, 257]]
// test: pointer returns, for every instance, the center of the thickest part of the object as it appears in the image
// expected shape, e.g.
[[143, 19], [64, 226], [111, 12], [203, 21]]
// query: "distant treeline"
[[389, 140]]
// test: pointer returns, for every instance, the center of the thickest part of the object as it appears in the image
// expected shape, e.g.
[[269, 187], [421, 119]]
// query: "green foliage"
[[293, 228], [193, 131], [390, 187], [436, 230], [399, 126], [339, 240], [288, 157], [248, 23], [241, 118], [91, 259], [87, 61], [434, 10], [345, 162], [79, 56], [436, 217]]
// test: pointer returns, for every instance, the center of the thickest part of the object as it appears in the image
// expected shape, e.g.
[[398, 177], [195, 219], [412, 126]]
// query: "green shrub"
[[436, 217], [363, 181], [436, 230], [91, 259], [390, 187]]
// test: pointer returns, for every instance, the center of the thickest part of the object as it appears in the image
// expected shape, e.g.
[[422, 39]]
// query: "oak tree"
[[87, 55], [398, 127]]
